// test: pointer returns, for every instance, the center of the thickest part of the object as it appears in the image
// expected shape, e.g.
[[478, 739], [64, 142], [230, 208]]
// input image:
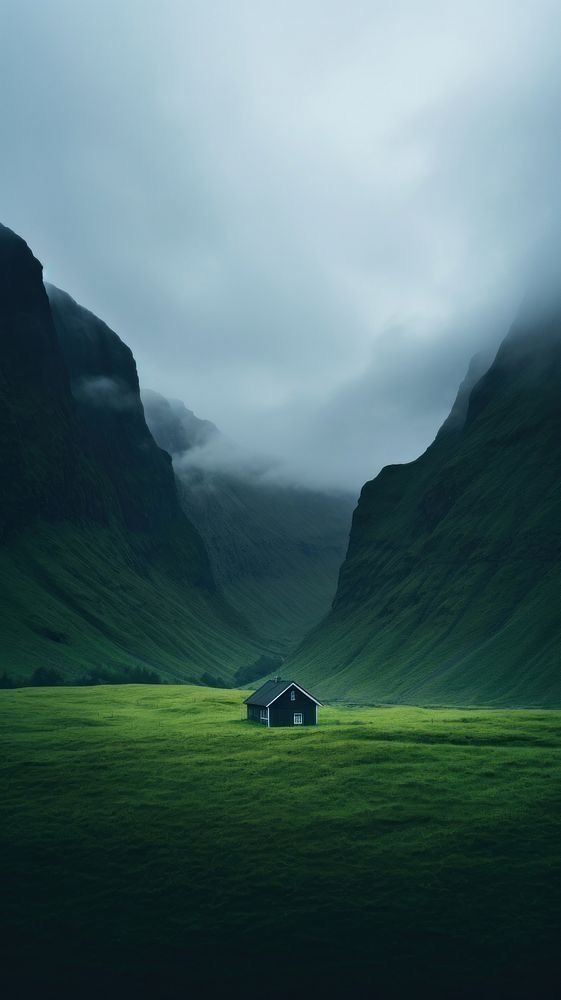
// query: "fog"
[[106, 393], [303, 217]]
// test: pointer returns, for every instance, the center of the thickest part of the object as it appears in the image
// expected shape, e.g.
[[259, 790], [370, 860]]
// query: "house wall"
[[282, 710], [254, 714]]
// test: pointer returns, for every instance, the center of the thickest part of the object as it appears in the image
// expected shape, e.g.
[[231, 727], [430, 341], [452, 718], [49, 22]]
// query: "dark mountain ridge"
[[99, 566], [450, 590], [104, 384], [43, 471]]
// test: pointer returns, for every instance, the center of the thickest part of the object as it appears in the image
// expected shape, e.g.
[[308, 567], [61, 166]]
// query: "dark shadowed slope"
[[450, 592], [275, 549], [44, 472], [104, 384], [99, 567]]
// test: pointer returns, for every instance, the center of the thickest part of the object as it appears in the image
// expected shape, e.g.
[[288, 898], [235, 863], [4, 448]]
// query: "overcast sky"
[[304, 217]]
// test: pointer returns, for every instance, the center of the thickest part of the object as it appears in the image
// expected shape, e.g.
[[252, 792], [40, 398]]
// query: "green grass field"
[[156, 844]]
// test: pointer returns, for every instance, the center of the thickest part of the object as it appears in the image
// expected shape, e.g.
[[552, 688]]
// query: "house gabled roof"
[[271, 690]]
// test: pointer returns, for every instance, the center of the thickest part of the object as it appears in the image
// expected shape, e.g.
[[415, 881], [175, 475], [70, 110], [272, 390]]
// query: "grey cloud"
[[305, 217], [199, 464], [108, 393]]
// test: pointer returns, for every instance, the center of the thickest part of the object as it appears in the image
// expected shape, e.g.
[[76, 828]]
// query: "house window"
[[293, 695], [263, 715], [298, 718]]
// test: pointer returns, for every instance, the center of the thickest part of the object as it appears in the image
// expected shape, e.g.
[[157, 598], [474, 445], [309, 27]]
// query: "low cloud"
[[305, 217], [204, 466], [220, 456], [107, 393]]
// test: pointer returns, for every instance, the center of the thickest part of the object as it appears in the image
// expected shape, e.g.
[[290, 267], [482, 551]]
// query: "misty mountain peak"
[[456, 419], [175, 428]]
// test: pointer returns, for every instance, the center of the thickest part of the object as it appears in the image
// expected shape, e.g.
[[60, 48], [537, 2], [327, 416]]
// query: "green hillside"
[[450, 590], [275, 549], [83, 600], [99, 567], [158, 846]]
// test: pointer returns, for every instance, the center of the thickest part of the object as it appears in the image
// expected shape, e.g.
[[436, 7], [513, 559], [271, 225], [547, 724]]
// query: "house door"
[[298, 718]]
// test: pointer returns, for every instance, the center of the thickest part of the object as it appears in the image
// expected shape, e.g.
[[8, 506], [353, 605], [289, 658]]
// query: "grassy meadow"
[[156, 844]]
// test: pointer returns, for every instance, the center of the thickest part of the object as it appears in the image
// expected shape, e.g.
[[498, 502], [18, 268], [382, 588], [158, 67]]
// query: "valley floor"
[[155, 844]]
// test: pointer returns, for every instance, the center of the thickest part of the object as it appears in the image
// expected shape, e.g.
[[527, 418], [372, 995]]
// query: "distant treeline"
[[49, 677]]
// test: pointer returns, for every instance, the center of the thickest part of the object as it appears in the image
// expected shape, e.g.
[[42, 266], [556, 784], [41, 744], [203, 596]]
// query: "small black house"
[[282, 703]]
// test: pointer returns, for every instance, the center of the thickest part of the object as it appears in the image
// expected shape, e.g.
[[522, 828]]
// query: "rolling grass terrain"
[[156, 844]]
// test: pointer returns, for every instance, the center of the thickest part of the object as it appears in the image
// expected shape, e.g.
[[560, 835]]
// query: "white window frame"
[[300, 717], [293, 695], [264, 715]]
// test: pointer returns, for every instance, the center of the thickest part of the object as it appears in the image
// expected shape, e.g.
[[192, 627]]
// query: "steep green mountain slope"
[[99, 567], [450, 592], [275, 549]]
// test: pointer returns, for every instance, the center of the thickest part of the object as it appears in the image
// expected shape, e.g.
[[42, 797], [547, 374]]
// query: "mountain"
[[44, 473], [100, 569], [178, 430], [450, 590], [275, 549]]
